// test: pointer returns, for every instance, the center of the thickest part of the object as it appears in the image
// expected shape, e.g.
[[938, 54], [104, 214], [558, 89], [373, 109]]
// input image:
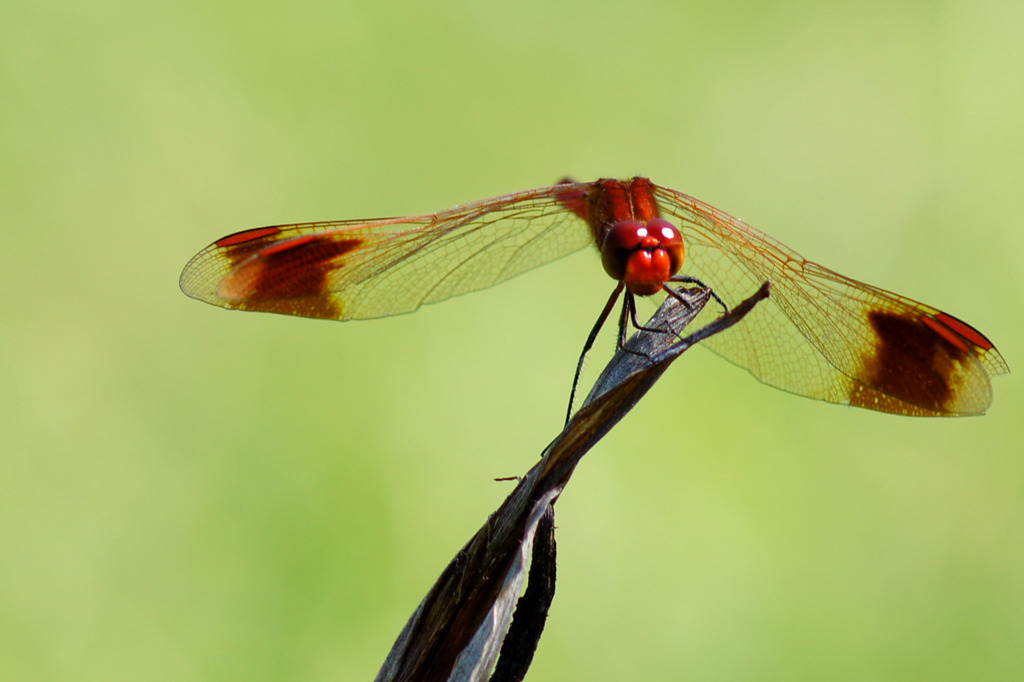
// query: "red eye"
[[622, 240], [670, 240]]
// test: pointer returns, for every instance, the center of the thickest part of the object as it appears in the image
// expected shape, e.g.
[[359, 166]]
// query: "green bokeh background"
[[192, 494]]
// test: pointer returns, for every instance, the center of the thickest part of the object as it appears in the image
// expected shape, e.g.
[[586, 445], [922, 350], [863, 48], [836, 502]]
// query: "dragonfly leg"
[[686, 279], [602, 318]]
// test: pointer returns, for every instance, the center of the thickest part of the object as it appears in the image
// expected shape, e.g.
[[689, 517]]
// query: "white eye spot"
[[641, 232]]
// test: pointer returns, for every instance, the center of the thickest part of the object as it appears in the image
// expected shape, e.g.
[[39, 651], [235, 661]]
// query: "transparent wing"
[[821, 334], [357, 269]]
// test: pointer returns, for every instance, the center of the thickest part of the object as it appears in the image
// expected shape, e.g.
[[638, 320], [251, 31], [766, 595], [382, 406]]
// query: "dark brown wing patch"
[[913, 362], [288, 277]]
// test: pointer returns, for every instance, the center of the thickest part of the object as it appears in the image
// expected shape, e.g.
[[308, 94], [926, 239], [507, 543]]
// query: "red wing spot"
[[945, 332], [240, 247], [911, 362], [280, 247], [247, 236], [965, 331]]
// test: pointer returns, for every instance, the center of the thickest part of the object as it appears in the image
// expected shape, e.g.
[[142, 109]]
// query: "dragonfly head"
[[643, 255]]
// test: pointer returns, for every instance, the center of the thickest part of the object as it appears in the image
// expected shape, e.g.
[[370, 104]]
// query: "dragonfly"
[[819, 334]]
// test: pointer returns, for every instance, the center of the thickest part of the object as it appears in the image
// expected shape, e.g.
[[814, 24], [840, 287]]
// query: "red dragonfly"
[[820, 334]]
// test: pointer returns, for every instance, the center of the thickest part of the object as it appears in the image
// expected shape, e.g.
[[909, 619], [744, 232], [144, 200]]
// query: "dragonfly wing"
[[827, 336], [364, 269]]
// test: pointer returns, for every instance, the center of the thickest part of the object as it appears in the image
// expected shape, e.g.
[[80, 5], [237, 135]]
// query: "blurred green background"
[[192, 494]]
